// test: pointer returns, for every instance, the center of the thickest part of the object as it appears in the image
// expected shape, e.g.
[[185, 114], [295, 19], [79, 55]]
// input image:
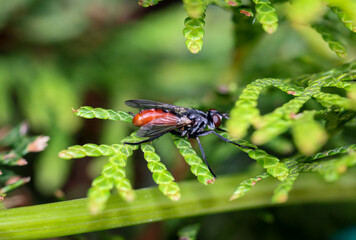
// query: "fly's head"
[[215, 118]]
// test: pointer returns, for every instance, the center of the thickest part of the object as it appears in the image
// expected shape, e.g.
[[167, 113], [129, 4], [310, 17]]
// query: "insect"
[[156, 119]]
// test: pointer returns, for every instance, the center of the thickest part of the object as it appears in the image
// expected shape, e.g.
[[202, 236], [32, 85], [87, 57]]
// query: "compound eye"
[[216, 119]]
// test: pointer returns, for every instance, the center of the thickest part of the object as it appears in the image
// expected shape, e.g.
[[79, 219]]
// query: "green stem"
[[72, 217]]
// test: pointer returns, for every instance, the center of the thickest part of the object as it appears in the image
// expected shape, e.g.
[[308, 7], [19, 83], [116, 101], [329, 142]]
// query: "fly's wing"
[[148, 104], [162, 125], [152, 130]]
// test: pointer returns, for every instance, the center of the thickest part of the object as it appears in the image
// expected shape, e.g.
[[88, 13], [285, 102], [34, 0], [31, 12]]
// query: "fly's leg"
[[201, 149], [204, 157], [204, 133], [144, 141], [221, 130], [227, 140]]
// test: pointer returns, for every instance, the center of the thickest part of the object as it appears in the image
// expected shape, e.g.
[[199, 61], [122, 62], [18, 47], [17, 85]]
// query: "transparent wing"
[[154, 130], [148, 104]]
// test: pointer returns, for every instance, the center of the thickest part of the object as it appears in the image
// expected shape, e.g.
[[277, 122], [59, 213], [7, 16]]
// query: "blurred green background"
[[56, 55]]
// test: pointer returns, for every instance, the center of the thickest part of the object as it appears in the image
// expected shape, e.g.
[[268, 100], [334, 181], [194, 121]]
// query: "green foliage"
[[57, 56], [348, 18], [160, 175], [247, 185], [197, 167], [194, 33], [15, 144], [334, 44], [195, 8], [189, 232], [266, 15], [113, 173], [269, 126], [269, 162], [301, 11], [309, 136], [100, 113], [331, 169], [148, 3]]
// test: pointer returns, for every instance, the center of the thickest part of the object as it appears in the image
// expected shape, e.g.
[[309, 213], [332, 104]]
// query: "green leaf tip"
[[148, 3], [266, 15], [347, 17], [100, 113], [197, 167], [189, 232], [334, 44], [89, 149], [194, 33], [160, 175], [280, 194], [247, 186]]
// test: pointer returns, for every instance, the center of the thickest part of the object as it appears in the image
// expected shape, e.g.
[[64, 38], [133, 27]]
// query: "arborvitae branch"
[[160, 175], [271, 163], [348, 20], [328, 153], [334, 44], [247, 185], [280, 194], [245, 111], [194, 33], [100, 113], [197, 167], [195, 8], [281, 119], [266, 15], [14, 145]]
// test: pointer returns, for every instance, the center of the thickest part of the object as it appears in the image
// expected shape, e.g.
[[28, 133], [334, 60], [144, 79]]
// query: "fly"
[[156, 119]]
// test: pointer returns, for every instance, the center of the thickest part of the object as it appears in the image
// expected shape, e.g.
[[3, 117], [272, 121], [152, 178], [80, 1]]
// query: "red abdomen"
[[146, 116]]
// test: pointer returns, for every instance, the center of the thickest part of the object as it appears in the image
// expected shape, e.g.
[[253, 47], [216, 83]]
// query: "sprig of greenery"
[[349, 20], [197, 167], [243, 115], [194, 33], [15, 144], [272, 164], [334, 44], [160, 175], [100, 113], [309, 133], [114, 174], [330, 169], [247, 185], [266, 15]]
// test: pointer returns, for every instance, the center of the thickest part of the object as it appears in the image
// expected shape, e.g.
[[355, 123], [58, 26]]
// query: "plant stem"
[[72, 217]]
